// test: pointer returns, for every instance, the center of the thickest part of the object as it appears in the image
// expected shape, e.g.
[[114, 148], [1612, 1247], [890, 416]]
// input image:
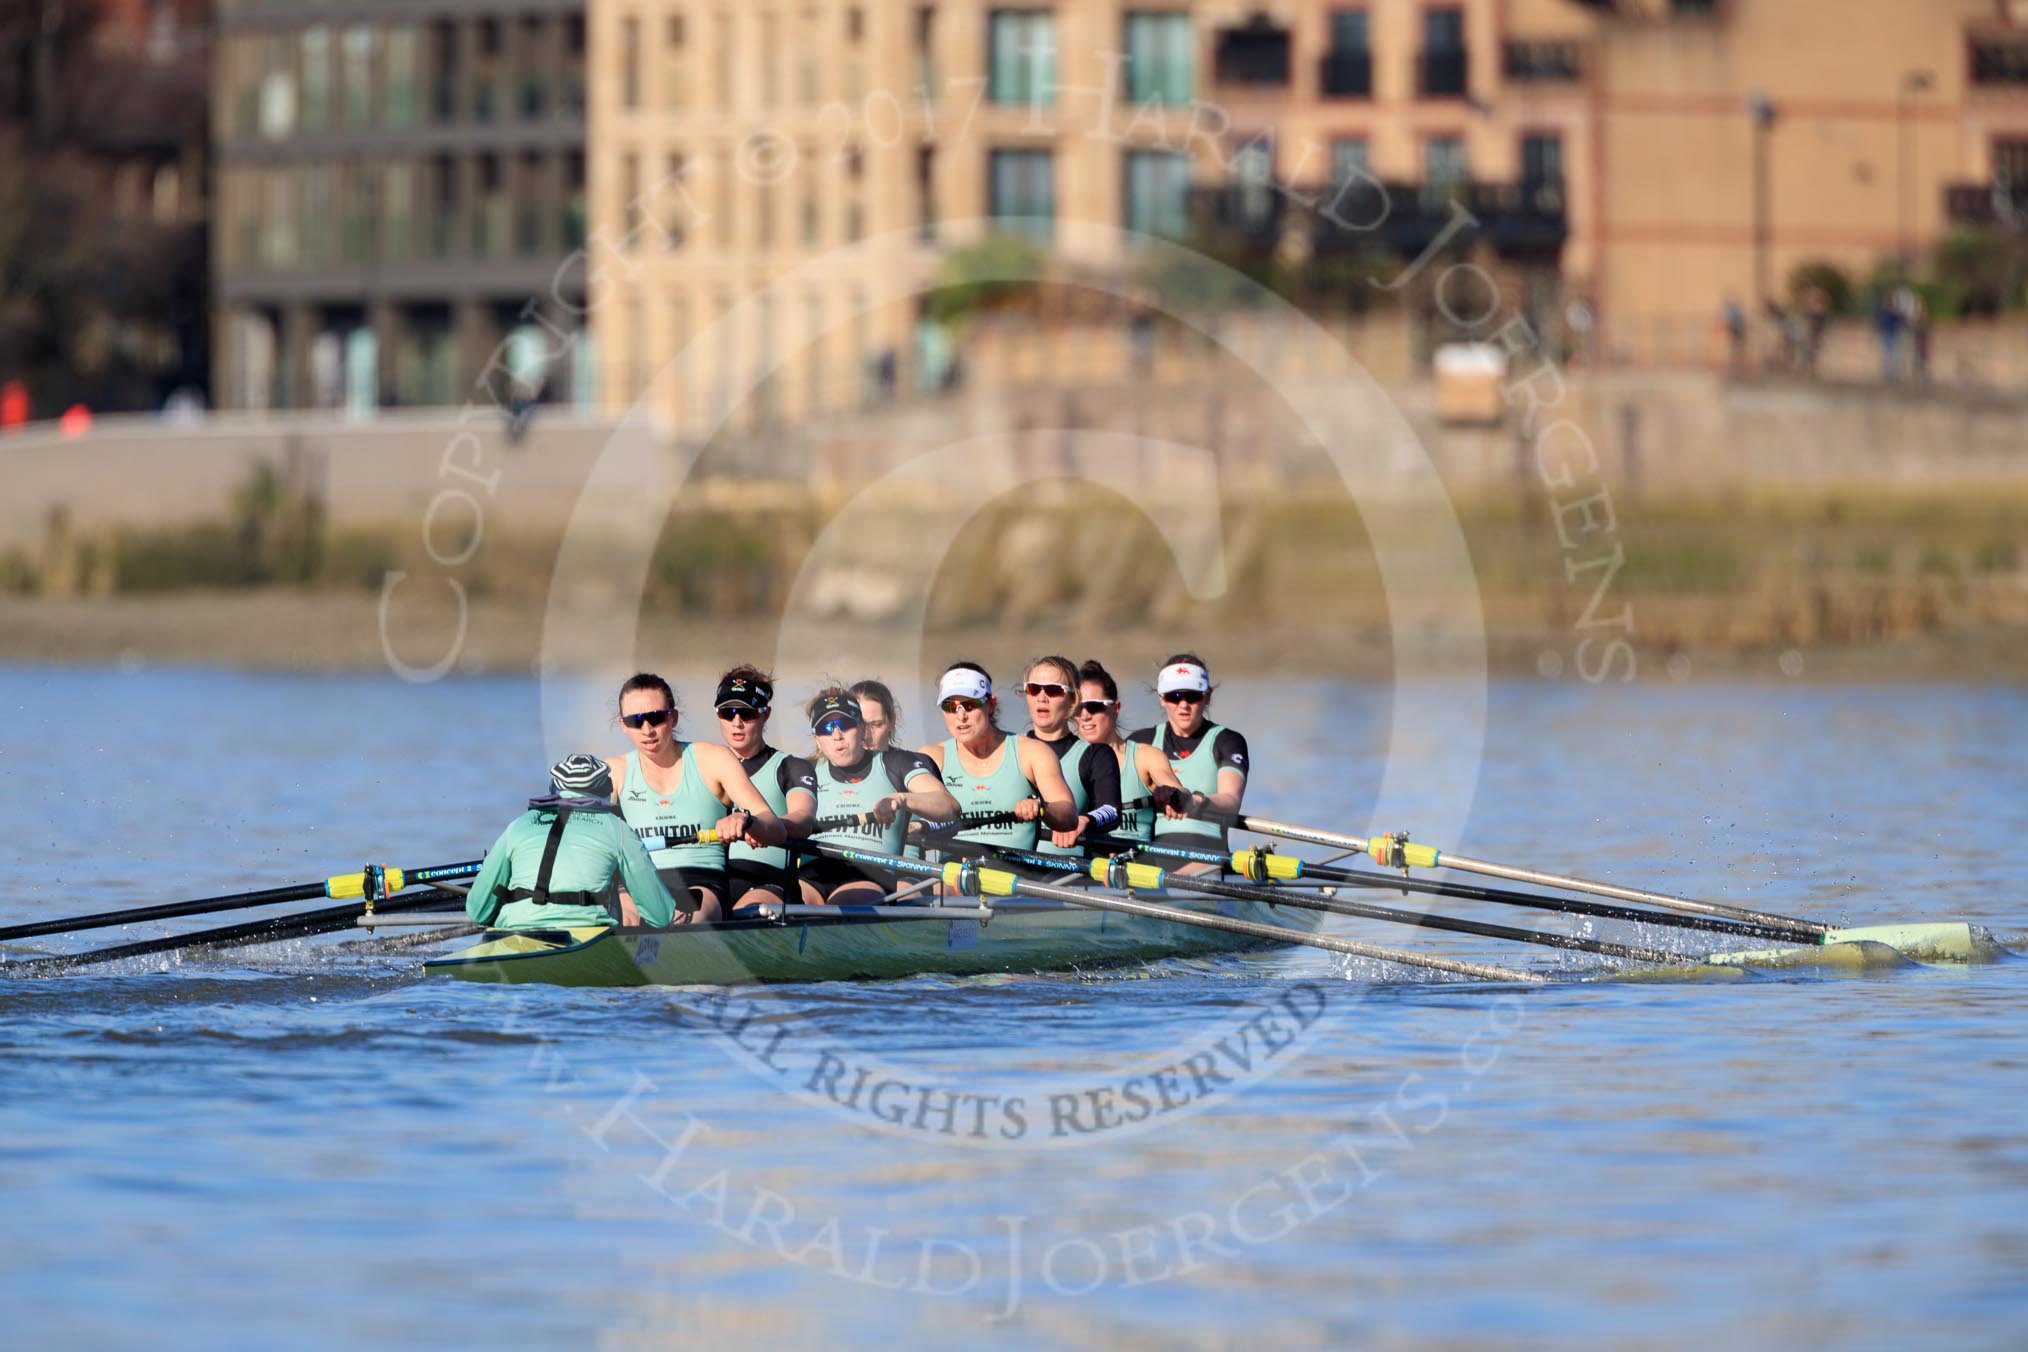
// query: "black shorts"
[[828, 875], [744, 875], [680, 881]]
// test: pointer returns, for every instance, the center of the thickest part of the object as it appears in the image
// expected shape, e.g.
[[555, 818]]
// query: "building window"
[[630, 64], [727, 186], [721, 58], [1443, 53], [359, 44], [675, 223], [1021, 192], [278, 93], [1158, 56], [573, 200], [926, 193], [770, 58], [1347, 68], [1257, 54], [1158, 192], [397, 208], [528, 194], [316, 44], [1443, 168], [1552, 61], [401, 76], [925, 49], [443, 71], [2010, 164], [443, 205], [1253, 170], [1999, 60], [1542, 158], [491, 224], [637, 348], [534, 89], [278, 219], [1693, 9], [1021, 56], [1348, 160], [806, 59], [486, 93], [318, 208], [357, 186], [630, 201], [813, 354]]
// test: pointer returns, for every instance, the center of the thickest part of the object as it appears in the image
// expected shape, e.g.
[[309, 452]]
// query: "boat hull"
[[855, 946]]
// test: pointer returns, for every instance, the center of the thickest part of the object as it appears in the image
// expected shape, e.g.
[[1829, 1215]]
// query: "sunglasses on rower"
[[653, 718], [834, 725], [737, 713], [961, 704], [1095, 707], [1049, 688], [1184, 697]]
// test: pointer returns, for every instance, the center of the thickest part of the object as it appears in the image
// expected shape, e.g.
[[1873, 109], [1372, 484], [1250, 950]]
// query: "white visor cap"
[[1183, 676], [964, 682]]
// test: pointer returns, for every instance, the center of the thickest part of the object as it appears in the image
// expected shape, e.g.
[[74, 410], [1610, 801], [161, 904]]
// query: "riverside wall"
[[1669, 434]]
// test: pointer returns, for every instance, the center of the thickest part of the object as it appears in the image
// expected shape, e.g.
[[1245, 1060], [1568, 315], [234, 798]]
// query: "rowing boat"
[[842, 943]]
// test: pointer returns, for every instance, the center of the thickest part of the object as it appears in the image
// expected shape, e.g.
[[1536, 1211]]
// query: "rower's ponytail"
[[1094, 673]]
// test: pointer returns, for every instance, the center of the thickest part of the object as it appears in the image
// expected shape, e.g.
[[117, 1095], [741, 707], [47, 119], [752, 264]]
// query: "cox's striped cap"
[[581, 776]]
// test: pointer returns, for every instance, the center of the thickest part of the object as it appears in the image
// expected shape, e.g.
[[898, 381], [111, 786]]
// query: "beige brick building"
[[1611, 147]]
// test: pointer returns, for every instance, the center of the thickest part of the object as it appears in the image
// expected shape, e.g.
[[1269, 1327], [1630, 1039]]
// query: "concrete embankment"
[[1725, 523]]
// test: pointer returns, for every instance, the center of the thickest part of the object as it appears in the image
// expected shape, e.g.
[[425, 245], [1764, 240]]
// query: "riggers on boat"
[[829, 943]]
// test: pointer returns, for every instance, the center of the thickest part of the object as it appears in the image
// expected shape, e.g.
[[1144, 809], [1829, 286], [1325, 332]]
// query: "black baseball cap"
[[835, 706], [755, 695]]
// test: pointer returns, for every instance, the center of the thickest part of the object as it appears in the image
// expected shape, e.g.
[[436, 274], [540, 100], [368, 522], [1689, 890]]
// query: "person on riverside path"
[[664, 786], [1210, 761], [785, 781], [991, 774], [1148, 784], [1050, 685], [560, 864], [854, 780]]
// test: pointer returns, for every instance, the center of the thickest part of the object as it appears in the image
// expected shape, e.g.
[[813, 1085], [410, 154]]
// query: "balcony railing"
[[1987, 204], [1545, 62], [1257, 54], [1243, 216], [1520, 220], [2000, 61], [1346, 74], [1441, 72]]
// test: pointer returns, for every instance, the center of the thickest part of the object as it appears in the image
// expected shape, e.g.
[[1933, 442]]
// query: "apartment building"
[[767, 164], [401, 191], [1740, 138], [736, 145]]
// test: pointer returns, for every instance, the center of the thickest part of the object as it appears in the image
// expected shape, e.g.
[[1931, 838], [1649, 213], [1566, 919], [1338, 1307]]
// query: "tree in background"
[[104, 275]]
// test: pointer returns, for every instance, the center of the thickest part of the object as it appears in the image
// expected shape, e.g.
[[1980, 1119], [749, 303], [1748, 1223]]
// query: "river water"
[[313, 1143]]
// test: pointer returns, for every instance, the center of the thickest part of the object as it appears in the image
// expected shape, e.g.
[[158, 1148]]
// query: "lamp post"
[[1761, 109], [1913, 82]]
